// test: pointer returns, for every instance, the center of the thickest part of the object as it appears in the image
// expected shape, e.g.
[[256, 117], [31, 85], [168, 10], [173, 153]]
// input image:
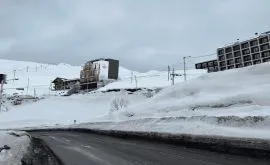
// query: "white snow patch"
[[18, 147]]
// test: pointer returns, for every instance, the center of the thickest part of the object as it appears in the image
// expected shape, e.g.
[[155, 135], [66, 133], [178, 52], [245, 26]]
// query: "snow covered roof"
[[64, 79]]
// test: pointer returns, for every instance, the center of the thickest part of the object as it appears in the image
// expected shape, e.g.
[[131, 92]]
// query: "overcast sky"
[[142, 34]]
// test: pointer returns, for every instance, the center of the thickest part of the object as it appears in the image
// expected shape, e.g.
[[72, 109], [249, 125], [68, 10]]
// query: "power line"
[[207, 55]]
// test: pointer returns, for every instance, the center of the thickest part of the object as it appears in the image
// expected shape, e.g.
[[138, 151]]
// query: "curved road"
[[75, 148]]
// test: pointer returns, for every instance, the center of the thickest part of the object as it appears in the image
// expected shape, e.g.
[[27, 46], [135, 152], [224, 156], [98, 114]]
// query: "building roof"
[[103, 59], [65, 79]]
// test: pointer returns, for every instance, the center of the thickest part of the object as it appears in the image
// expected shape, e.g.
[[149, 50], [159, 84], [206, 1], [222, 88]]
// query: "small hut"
[[63, 83]]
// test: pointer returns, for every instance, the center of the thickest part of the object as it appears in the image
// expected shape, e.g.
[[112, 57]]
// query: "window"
[[257, 62], [230, 62], [204, 65], [239, 66], [238, 60], [198, 66], [230, 67], [256, 56], [210, 64], [221, 58], [244, 45], [237, 54], [228, 50], [247, 58], [265, 47], [247, 64], [222, 63], [254, 43], [266, 54], [223, 68], [246, 51], [255, 49], [220, 51], [215, 63], [212, 69], [228, 56], [263, 40], [266, 60], [236, 48]]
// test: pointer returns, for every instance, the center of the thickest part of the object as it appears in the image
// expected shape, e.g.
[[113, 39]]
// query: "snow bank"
[[18, 147], [240, 92], [193, 126]]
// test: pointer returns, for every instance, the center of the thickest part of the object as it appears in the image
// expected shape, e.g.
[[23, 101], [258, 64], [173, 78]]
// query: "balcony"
[[246, 52], [220, 51], [265, 47], [237, 54], [256, 62], [245, 45], [238, 65], [247, 58], [236, 48], [238, 60], [221, 58], [247, 64], [254, 43], [228, 50], [229, 56], [256, 56], [264, 40], [255, 49], [230, 62]]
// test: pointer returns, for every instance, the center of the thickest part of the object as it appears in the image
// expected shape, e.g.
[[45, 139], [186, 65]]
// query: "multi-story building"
[[241, 54]]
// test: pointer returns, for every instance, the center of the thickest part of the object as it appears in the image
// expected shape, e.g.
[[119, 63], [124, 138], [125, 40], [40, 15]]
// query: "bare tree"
[[119, 103]]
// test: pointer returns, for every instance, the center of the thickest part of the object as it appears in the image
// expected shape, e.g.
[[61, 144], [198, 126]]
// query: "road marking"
[[89, 155]]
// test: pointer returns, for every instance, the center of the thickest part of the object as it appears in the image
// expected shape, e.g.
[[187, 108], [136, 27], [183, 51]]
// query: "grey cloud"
[[143, 35]]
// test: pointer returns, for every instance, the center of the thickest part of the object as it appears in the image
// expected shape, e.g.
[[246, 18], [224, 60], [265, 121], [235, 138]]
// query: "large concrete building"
[[241, 54]]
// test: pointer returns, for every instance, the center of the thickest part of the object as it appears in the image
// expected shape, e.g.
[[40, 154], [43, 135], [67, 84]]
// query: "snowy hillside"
[[39, 75]]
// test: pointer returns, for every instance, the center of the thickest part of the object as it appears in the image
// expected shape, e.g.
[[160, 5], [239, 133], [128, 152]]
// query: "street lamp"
[[185, 74]]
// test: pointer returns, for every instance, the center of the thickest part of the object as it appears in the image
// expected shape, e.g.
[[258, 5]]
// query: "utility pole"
[[1, 93], [173, 76], [169, 72], [34, 92], [131, 78], [27, 86], [136, 81], [185, 74], [14, 74]]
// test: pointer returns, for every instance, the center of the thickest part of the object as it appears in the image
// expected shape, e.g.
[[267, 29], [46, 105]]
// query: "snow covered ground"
[[18, 147], [151, 79], [39, 76], [230, 103]]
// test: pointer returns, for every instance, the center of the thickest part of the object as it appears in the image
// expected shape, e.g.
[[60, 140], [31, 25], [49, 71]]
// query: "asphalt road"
[[75, 148]]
